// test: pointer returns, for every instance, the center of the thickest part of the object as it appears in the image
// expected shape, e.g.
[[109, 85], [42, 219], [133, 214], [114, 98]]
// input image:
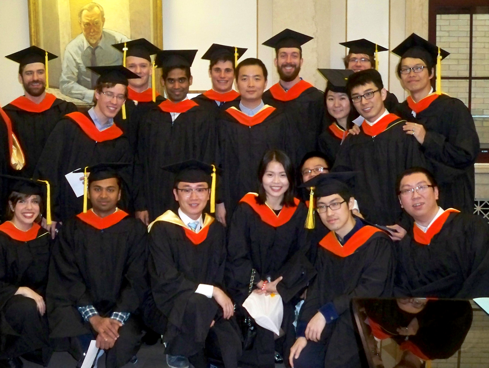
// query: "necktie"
[[93, 62], [193, 225]]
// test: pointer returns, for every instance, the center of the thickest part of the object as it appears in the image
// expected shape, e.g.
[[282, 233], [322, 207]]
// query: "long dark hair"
[[282, 158], [15, 197], [351, 116]]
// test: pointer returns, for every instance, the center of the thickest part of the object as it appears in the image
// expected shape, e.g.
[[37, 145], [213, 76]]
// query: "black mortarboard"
[[140, 48], [337, 78], [172, 58], [216, 51], [191, 171], [362, 46], [287, 38], [32, 54], [113, 74], [417, 47], [332, 183]]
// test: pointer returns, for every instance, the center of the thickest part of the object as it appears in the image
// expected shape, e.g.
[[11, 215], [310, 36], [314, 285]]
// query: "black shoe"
[[278, 358]]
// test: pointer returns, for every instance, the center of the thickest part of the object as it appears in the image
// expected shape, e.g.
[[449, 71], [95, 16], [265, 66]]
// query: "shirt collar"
[[186, 220], [376, 121], [438, 214], [287, 89], [97, 122], [251, 112], [358, 225], [86, 45]]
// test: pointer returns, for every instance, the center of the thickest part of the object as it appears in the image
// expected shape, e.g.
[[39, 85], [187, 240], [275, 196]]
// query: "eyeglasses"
[[415, 302], [420, 189], [110, 95], [415, 69], [316, 170], [361, 60], [367, 96], [188, 191], [335, 206]]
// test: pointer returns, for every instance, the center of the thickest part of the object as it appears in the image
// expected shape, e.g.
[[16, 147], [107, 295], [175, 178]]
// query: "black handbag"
[[246, 323]]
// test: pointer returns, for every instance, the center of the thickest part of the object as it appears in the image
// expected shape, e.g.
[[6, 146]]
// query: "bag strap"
[[252, 281]]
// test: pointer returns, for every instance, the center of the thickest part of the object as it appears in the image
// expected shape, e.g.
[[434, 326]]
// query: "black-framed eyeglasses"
[[316, 170], [335, 206], [189, 191], [415, 69], [110, 95], [367, 95], [419, 189]]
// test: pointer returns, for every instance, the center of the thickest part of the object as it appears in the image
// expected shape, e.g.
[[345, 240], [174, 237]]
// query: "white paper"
[[91, 355], [266, 310], [483, 303], [74, 179], [358, 121]]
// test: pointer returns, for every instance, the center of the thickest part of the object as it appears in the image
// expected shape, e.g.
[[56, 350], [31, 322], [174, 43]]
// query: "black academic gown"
[[99, 262], [4, 165], [306, 104], [391, 102], [32, 124], [179, 261], [162, 142], [451, 145], [272, 249], [330, 140], [379, 160], [24, 263], [208, 100], [367, 272], [242, 147], [454, 264], [68, 148]]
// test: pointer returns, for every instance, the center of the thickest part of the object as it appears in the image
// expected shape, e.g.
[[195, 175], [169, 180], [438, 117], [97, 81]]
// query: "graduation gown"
[[362, 267], [330, 140], [24, 260], [261, 240], [33, 123], [180, 260], [99, 262], [391, 102], [451, 145], [76, 143], [209, 100], [163, 142], [137, 106], [4, 165], [380, 153], [243, 141], [306, 104], [450, 260]]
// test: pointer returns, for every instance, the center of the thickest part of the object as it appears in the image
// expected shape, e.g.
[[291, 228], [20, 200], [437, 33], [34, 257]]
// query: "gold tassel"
[[153, 82], [124, 111], [236, 56], [85, 190], [46, 60], [310, 220], [438, 73], [124, 58], [213, 190], [376, 58], [48, 201]]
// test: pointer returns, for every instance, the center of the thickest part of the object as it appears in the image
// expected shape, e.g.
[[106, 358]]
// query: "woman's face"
[[26, 211], [275, 180], [338, 104]]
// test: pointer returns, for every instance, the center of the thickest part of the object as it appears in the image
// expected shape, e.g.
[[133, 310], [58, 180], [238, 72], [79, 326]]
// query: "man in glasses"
[[445, 253], [441, 124], [353, 260], [381, 151]]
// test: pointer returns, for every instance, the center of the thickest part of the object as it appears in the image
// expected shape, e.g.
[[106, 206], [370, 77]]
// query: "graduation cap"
[[31, 187], [337, 78], [33, 54], [101, 171], [216, 51], [417, 47], [363, 46], [173, 58], [325, 185], [194, 171], [287, 38]]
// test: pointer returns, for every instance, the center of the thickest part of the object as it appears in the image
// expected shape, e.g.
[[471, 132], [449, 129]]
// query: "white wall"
[[197, 24], [14, 36]]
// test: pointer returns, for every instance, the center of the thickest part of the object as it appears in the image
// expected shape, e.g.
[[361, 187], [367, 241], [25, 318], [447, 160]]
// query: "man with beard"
[[292, 93], [34, 115]]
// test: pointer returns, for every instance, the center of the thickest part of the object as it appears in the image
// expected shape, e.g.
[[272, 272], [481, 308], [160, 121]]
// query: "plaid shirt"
[[90, 311]]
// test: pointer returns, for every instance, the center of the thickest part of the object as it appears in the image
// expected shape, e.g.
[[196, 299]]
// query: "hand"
[[416, 130], [315, 327], [296, 349], [143, 216], [355, 130], [29, 293], [357, 213], [107, 329], [398, 232], [271, 287], [221, 213], [224, 301], [51, 228], [411, 329]]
